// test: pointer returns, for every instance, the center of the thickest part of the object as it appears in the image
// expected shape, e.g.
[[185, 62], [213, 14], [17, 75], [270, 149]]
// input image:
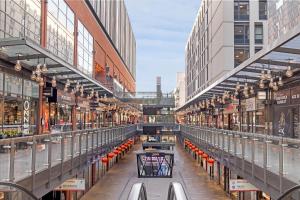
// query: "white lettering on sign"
[[72, 185], [281, 99], [26, 117], [241, 185], [65, 98], [296, 96]]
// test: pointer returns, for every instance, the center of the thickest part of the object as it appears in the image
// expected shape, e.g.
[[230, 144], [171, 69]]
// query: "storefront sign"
[[295, 95], [282, 97], [72, 185], [250, 104], [261, 95], [26, 117], [237, 185], [65, 98], [83, 103]]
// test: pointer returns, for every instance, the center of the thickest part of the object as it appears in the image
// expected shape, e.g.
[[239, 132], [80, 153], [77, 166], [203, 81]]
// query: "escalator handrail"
[[138, 190], [289, 191], [14, 185], [176, 190]]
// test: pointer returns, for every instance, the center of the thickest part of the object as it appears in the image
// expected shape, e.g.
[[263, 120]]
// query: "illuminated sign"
[[26, 117]]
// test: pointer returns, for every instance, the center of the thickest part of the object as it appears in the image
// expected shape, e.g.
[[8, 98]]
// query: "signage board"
[[250, 104], [73, 184], [262, 95], [64, 97], [282, 97], [238, 185], [295, 95]]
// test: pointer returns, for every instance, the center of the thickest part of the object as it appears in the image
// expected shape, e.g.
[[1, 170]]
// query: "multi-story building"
[[58, 54], [225, 34], [179, 92]]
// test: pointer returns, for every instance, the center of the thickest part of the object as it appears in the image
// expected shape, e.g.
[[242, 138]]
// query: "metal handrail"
[[176, 191], [14, 185], [288, 192], [138, 192]]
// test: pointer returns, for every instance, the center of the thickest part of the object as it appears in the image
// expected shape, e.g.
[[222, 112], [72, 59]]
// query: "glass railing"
[[138, 192], [278, 155], [176, 192], [23, 157]]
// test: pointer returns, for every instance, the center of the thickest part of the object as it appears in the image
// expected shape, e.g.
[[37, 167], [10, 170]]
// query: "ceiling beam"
[[279, 63], [287, 50], [26, 57]]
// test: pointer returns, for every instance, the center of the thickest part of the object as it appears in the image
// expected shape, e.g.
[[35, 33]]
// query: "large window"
[[12, 15], [262, 9], [240, 55], [241, 10], [241, 33], [85, 50], [60, 30], [258, 33]]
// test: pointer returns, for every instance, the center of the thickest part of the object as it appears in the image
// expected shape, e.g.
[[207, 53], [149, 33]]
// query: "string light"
[[18, 66]]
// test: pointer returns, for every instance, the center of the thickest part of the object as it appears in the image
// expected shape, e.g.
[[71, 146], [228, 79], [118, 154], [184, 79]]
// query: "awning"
[[285, 52], [31, 53]]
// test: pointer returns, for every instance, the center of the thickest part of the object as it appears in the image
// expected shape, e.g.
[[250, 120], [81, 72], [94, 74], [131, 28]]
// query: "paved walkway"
[[116, 184]]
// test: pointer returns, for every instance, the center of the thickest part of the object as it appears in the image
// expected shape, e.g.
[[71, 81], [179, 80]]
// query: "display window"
[[18, 106]]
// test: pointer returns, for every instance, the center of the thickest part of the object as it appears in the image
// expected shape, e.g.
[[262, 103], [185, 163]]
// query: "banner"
[[238, 185], [72, 185]]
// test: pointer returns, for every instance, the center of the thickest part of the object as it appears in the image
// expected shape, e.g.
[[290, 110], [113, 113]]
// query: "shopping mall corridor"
[[116, 184]]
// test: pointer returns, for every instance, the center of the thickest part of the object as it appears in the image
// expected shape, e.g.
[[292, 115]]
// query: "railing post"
[[253, 156], [33, 160], [243, 154], [72, 151], [62, 155], [265, 160], [12, 149], [281, 165]]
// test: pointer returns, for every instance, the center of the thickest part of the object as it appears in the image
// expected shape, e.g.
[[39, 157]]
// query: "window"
[[60, 30], [240, 55], [258, 33], [257, 49], [241, 33], [85, 50], [241, 10], [262, 6]]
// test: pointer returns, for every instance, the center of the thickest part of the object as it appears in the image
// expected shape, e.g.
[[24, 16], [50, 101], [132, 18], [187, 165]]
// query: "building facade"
[[225, 34], [87, 56], [179, 91]]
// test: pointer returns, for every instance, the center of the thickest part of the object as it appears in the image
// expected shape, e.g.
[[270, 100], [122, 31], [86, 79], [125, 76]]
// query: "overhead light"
[[275, 87], [77, 86], [53, 82], [289, 72], [271, 83], [269, 75], [251, 90], [38, 70], [246, 95], [38, 78], [18, 66], [263, 75], [41, 82], [280, 83], [65, 89], [238, 86], [261, 84], [33, 76], [81, 89], [236, 93], [44, 68], [246, 86]]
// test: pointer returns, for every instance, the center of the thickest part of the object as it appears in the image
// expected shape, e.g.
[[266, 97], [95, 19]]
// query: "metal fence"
[[27, 156], [278, 156]]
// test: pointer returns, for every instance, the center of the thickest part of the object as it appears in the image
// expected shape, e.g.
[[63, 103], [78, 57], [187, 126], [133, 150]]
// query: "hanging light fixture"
[[261, 84], [271, 83], [251, 90], [68, 83], [236, 93], [275, 86], [33, 76], [65, 89], [237, 87], [53, 82], [289, 72], [246, 86], [280, 83], [263, 75], [18, 65], [44, 68], [77, 86], [41, 82], [269, 75]]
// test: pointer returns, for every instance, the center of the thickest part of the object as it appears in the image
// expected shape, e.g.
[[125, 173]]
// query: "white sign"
[[250, 104], [26, 117], [236, 185], [72, 185]]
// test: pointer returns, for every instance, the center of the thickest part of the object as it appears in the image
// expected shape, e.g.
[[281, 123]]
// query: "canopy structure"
[[30, 54], [285, 52]]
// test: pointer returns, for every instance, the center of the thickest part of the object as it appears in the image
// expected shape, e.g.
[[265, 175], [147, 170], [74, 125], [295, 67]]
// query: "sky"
[[161, 29]]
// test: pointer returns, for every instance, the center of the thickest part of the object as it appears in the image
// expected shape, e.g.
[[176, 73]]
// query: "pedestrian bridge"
[[41, 163]]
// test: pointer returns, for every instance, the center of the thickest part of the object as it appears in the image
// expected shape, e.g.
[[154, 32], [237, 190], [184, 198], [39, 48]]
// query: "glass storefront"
[[18, 106]]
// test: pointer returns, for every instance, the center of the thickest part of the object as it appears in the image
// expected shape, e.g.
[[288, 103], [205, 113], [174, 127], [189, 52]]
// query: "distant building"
[[179, 91], [224, 35]]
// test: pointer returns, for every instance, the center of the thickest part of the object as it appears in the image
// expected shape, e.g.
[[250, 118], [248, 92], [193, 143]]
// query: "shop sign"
[[26, 117], [295, 95], [65, 98], [238, 185], [282, 97], [250, 104], [72, 185], [262, 95]]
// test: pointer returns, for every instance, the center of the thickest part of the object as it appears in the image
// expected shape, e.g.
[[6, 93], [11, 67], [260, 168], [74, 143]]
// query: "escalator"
[[12, 191], [291, 194], [175, 192]]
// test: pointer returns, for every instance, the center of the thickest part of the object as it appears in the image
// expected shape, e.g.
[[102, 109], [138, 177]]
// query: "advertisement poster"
[[283, 121]]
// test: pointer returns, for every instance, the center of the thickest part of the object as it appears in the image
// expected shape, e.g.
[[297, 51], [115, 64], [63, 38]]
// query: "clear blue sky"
[[161, 29]]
